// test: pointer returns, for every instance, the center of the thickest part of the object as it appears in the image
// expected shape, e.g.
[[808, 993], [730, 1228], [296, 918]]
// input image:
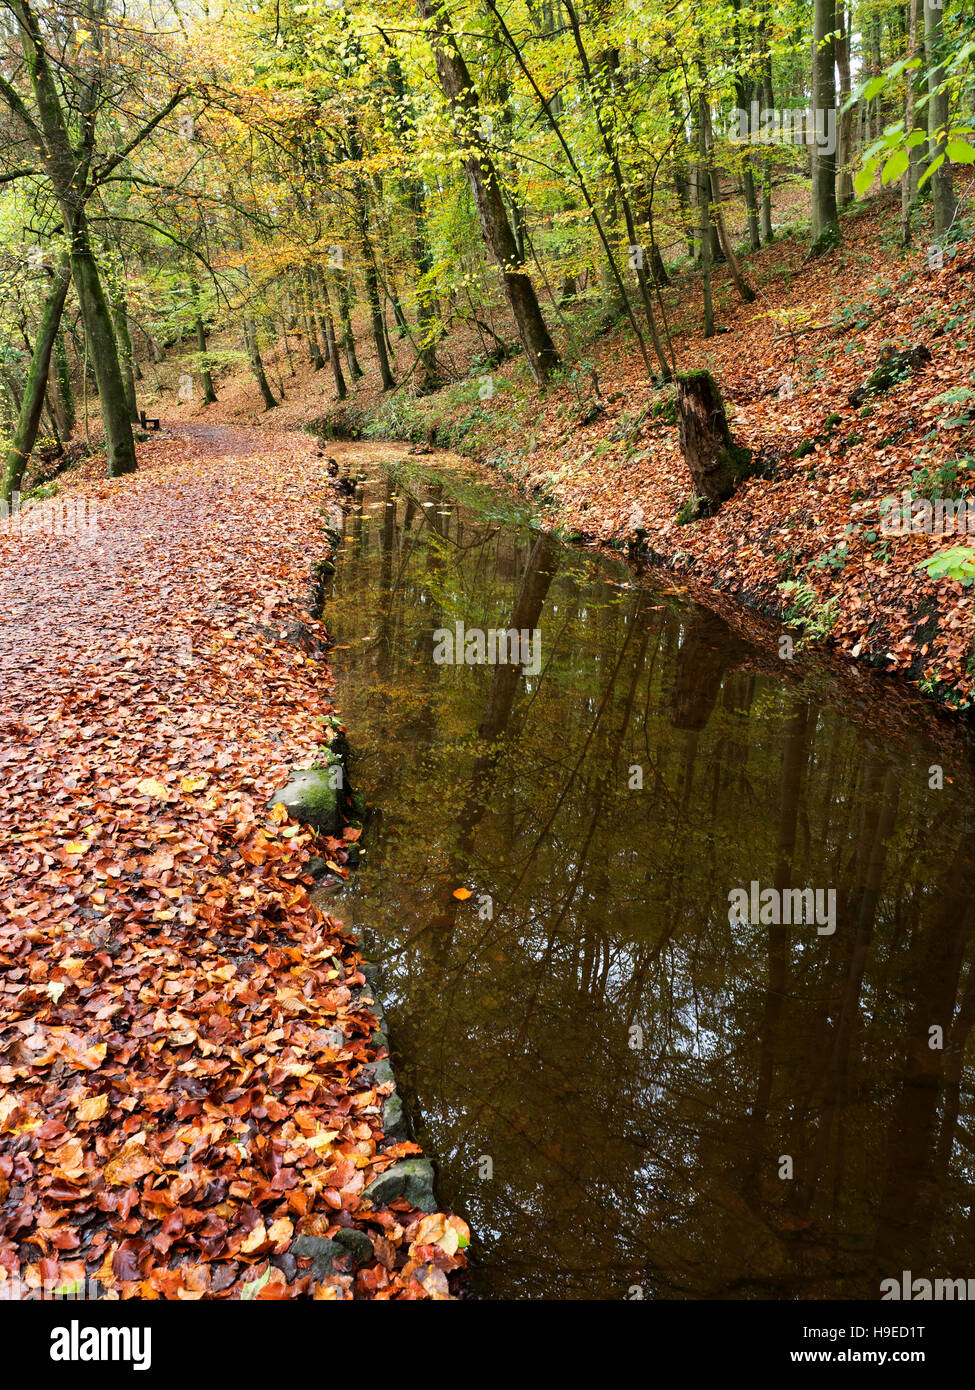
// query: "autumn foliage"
[[184, 1035]]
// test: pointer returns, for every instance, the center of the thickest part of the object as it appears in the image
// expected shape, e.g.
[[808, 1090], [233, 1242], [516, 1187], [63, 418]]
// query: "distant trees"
[[64, 105], [364, 177]]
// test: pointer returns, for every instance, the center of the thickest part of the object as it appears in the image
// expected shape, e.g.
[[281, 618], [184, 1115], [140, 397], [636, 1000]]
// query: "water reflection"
[[642, 1074]]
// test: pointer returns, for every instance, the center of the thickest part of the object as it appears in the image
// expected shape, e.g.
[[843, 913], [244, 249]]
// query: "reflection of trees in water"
[[660, 1167]]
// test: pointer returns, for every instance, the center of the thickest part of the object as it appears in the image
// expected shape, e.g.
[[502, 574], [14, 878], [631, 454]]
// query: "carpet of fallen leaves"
[[184, 1035], [615, 475], [822, 325]]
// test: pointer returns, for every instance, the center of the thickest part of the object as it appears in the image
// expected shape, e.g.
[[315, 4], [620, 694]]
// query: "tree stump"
[[715, 462]]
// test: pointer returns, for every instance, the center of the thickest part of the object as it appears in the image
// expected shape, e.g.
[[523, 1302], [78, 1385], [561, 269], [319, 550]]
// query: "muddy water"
[[624, 1089]]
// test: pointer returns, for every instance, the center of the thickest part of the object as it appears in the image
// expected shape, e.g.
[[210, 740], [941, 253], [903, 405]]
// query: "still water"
[[622, 1088]]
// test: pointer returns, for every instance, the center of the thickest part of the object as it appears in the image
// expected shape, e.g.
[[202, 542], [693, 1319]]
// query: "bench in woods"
[[146, 422]]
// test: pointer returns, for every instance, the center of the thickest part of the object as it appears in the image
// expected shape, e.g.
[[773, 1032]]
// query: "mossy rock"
[[411, 1178], [357, 1243], [395, 1125], [692, 510], [892, 366], [349, 1245], [377, 1073], [666, 410], [314, 796], [323, 1251]]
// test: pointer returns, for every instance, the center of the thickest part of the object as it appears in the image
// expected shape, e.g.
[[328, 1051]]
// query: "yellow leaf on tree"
[[462, 893]]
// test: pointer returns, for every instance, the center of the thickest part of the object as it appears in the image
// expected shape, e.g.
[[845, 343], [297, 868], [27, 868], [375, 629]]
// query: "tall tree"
[[825, 218], [943, 204], [74, 172], [462, 98]]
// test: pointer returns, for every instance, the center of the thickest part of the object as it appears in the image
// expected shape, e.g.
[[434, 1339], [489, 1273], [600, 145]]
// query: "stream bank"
[[597, 455], [605, 1066]]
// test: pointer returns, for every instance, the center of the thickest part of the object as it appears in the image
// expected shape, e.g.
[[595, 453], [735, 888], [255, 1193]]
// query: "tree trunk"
[[317, 300], [120, 318], [765, 210], [703, 202], [333, 351], [430, 328], [845, 132], [376, 317], [311, 330], [61, 162], [825, 220], [682, 178], [103, 354], [209, 394], [745, 291], [257, 363], [459, 90], [65, 393], [911, 174], [943, 205], [25, 431], [715, 462], [751, 203], [348, 338]]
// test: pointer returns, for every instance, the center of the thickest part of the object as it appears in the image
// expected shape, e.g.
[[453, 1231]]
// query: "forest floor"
[[184, 1035], [599, 456]]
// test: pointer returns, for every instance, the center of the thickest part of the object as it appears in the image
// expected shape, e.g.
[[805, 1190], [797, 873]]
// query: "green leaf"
[[960, 152], [932, 168], [957, 564], [865, 177], [895, 166], [252, 1289]]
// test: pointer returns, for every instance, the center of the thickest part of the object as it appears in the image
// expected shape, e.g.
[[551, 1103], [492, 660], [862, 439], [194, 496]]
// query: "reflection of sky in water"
[[615, 1166]]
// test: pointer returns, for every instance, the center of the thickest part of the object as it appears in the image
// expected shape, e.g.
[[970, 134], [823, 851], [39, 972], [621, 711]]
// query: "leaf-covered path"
[[184, 1036]]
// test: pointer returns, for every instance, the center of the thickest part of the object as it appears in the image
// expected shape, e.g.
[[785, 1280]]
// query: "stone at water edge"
[[311, 797], [395, 1126], [411, 1178], [324, 1250]]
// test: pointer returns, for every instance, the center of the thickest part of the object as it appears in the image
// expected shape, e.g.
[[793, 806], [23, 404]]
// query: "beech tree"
[[461, 95], [59, 115]]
